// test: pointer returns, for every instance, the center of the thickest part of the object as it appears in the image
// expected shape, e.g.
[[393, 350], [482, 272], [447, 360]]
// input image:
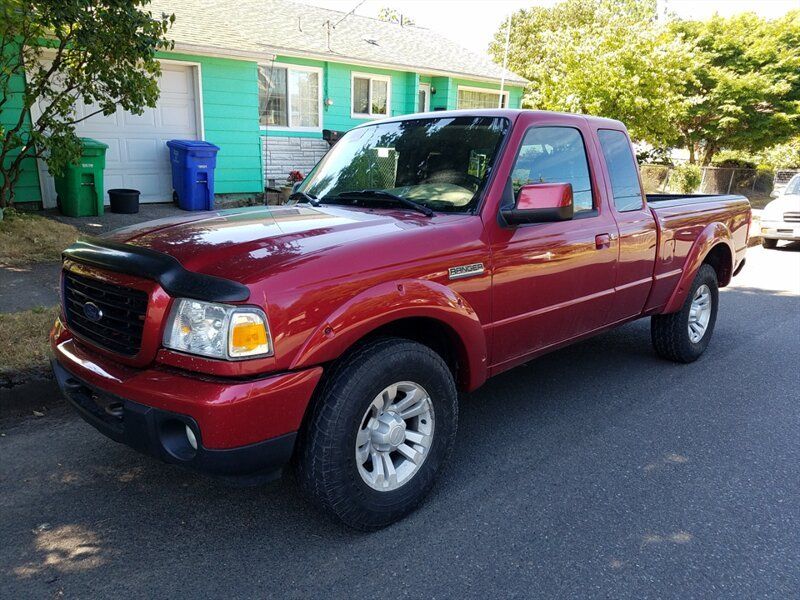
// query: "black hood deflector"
[[166, 270]]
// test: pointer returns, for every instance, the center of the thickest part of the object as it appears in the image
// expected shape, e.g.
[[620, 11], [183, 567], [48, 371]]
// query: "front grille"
[[121, 315], [791, 217]]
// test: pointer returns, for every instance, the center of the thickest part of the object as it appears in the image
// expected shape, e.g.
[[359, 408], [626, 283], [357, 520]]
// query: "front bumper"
[[242, 428], [779, 230]]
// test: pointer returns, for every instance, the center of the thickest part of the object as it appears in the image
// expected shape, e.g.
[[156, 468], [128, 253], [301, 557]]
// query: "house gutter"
[[201, 50], [339, 58]]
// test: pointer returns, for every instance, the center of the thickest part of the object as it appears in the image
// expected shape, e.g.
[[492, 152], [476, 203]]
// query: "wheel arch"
[[423, 311], [714, 246]]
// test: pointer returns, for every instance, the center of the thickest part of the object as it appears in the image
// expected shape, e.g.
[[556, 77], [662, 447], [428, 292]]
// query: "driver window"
[[555, 155]]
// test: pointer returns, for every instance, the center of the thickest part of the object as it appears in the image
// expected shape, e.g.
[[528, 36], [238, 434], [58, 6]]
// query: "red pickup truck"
[[421, 256]]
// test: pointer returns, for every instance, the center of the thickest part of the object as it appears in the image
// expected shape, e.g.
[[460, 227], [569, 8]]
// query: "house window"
[[371, 95], [290, 97], [480, 98]]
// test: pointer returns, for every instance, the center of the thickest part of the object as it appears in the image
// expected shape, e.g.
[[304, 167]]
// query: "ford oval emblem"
[[92, 311]]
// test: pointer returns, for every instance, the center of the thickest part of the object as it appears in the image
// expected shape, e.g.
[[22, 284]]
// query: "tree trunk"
[[709, 153], [692, 157]]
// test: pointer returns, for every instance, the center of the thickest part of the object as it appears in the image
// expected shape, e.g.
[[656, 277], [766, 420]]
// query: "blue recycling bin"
[[193, 163]]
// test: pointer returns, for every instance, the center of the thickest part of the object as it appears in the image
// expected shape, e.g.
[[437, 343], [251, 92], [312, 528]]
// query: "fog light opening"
[[178, 439], [191, 437]]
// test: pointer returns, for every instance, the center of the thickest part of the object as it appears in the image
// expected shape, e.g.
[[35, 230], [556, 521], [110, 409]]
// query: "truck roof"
[[510, 113]]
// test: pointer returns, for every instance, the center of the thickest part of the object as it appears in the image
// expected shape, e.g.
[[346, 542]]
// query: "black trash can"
[[124, 201]]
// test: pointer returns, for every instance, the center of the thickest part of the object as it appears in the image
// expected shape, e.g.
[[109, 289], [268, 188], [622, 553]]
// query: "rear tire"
[[769, 244], [348, 427], [683, 336]]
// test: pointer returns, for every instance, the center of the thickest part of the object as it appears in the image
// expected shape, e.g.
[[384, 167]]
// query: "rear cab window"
[[555, 154], [622, 170]]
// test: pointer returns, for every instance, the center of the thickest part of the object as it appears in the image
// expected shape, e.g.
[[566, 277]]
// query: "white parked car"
[[781, 217]]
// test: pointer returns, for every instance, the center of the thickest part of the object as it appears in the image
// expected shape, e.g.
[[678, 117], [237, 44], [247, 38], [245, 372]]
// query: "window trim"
[[290, 127], [470, 88], [371, 77], [610, 186], [596, 210]]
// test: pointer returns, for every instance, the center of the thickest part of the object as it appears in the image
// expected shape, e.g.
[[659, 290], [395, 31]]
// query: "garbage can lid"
[[92, 143], [191, 145]]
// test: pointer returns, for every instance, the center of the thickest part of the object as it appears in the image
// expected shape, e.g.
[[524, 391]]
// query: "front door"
[[553, 281], [424, 97]]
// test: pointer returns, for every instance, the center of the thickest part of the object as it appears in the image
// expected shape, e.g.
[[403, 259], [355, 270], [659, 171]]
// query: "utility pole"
[[505, 61]]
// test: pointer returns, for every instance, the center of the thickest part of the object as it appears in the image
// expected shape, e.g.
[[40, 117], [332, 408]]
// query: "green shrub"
[[685, 178]]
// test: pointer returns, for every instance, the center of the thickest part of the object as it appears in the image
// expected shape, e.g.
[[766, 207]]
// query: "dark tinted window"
[[622, 169], [555, 155]]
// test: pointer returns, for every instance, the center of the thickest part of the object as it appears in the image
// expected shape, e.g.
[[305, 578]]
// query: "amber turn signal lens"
[[249, 335]]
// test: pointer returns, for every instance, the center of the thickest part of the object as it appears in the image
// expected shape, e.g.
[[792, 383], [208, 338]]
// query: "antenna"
[[354, 9], [330, 25]]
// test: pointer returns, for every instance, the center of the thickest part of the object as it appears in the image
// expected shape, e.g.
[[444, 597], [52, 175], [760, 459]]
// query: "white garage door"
[[137, 155]]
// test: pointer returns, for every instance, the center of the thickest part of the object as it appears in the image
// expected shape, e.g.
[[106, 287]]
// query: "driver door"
[[553, 281]]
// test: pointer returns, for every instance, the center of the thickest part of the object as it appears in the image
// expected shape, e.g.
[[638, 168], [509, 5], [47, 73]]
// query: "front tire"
[[380, 432], [769, 244], [683, 336]]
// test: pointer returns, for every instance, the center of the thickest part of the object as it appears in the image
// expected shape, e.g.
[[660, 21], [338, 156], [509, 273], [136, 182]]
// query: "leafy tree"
[[783, 156], [601, 57], [99, 51], [390, 15], [744, 88]]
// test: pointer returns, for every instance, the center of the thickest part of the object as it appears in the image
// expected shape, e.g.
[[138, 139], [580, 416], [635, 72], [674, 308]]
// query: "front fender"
[[392, 301], [711, 236]]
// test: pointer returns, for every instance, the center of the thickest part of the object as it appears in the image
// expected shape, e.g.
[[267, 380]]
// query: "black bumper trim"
[[158, 433], [160, 267]]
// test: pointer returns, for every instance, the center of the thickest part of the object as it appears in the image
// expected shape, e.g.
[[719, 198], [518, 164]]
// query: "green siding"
[[230, 120], [514, 93], [336, 85], [27, 187]]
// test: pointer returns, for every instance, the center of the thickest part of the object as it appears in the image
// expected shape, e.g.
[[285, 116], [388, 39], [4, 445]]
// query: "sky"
[[472, 23]]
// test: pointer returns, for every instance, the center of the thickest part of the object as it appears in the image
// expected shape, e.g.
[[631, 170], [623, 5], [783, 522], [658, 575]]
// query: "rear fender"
[[392, 301], [713, 235]]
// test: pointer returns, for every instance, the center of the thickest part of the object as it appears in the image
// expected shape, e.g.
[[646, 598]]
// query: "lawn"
[[27, 238], [24, 346]]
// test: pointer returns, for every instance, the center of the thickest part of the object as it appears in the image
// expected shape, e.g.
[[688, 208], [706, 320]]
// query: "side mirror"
[[541, 203], [774, 194], [296, 186]]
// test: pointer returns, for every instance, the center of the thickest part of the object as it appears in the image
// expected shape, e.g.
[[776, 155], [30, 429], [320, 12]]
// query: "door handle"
[[602, 241]]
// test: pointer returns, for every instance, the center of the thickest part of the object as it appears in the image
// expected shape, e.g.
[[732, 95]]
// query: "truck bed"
[[667, 200], [681, 220]]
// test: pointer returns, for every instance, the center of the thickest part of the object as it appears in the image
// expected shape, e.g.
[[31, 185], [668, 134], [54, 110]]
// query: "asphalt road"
[[597, 471]]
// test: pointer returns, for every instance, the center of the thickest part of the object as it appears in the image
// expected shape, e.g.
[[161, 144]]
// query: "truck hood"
[[243, 243], [788, 203]]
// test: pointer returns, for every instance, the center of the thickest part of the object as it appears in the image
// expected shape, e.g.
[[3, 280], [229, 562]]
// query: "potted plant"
[[294, 178]]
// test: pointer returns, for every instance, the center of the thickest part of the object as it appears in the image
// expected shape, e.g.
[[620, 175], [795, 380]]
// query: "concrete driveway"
[[597, 471]]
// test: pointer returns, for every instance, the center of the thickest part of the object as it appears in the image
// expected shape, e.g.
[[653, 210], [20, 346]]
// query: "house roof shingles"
[[261, 28]]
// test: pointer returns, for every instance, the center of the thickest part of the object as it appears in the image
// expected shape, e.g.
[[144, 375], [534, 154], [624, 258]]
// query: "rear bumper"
[[241, 427]]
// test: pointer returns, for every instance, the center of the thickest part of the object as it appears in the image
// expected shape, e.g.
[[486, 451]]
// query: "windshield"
[[793, 187], [440, 163]]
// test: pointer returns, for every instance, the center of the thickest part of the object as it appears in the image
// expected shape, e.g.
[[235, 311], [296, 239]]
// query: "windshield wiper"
[[382, 195], [303, 197]]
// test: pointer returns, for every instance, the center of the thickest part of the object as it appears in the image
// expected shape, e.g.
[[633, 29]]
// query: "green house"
[[264, 79]]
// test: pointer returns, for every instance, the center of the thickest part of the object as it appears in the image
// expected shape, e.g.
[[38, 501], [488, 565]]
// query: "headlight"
[[217, 330]]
